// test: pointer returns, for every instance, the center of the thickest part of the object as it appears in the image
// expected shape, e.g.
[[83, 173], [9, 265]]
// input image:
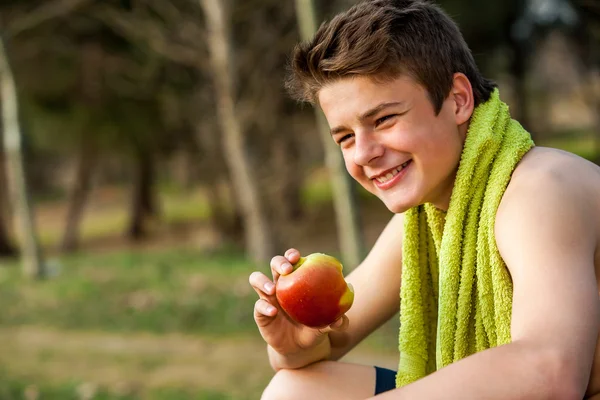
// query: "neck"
[[441, 200]]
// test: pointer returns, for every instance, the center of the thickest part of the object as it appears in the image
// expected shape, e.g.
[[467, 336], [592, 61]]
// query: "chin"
[[398, 207], [401, 202]]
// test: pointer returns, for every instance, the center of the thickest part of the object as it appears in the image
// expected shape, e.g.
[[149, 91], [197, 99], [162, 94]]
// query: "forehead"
[[352, 96]]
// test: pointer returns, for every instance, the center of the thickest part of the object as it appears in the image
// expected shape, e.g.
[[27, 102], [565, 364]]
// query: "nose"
[[366, 148]]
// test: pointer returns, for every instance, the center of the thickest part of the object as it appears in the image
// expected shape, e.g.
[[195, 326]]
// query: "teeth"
[[390, 175]]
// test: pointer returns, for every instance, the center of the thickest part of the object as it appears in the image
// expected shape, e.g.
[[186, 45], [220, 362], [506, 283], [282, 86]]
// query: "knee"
[[283, 385], [290, 384]]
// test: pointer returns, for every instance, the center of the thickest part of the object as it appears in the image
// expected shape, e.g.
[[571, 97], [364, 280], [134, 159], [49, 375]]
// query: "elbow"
[[273, 359], [567, 392], [559, 376]]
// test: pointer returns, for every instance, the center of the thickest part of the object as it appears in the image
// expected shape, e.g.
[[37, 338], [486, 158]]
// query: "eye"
[[383, 119], [344, 138]]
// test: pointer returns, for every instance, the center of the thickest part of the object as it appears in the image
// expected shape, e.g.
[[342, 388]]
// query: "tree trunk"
[[291, 192], [226, 222], [142, 205], [287, 197], [258, 237], [31, 255], [6, 247], [344, 194], [211, 168], [79, 195]]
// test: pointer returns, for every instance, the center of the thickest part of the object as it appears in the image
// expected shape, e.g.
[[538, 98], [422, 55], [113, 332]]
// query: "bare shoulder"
[[552, 189], [552, 166]]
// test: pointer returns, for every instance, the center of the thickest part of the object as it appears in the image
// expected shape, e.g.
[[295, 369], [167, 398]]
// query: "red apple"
[[315, 293]]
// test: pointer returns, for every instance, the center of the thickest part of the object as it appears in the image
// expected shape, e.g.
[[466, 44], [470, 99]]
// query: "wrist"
[[302, 357]]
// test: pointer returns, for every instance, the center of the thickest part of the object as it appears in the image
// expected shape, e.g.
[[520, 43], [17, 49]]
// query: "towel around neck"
[[456, 296]]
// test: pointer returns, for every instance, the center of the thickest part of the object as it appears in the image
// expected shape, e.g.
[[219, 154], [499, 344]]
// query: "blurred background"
[[151, 160]]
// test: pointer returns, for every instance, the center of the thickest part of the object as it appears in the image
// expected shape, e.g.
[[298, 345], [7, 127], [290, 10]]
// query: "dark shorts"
[[385, 379]]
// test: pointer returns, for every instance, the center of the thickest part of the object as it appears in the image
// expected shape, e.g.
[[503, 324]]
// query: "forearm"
[[321, 351], [511, 372]]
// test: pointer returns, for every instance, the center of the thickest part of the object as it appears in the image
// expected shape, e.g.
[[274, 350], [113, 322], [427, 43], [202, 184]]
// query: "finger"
[[280, 266], [261, 284], [292, 255], [341, 324], [263, 310]]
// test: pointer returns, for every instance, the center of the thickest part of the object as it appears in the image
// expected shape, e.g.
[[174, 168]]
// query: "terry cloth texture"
[[456, 296]]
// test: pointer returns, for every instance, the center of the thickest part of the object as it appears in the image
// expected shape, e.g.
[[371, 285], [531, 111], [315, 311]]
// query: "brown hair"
[[384, 39]]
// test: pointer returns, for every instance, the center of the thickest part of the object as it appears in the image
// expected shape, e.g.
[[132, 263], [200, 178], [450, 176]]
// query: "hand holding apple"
[[315, 293]]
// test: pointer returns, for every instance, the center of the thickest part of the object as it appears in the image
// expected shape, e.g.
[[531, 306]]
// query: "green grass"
[[11, 389], [126, 297], [83, 321], [164, 291], [16, 390]]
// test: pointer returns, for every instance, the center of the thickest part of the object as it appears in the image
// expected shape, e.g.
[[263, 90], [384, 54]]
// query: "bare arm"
[[545, 235], [377, 289]]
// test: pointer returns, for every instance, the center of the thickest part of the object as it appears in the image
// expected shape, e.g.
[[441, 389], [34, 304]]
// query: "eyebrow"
[[368, 114]]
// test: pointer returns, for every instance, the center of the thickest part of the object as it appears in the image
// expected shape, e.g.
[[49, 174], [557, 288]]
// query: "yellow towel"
[[456, 296]]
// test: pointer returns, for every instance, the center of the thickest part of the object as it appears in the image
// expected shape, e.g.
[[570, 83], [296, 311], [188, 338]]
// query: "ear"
[[462, 94]]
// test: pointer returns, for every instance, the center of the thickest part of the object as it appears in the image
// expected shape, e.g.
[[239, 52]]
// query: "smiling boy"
[[494, 247]]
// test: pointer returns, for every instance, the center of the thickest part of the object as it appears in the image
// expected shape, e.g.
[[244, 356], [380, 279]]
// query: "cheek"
[[351, 166], [444, 144], [354, 170]]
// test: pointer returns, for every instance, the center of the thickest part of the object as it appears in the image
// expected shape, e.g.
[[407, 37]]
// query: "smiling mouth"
[[392, 173]]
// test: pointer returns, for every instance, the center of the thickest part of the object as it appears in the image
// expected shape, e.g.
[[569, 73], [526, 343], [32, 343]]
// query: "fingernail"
[[286, 268], [269, 287], [270, 309]]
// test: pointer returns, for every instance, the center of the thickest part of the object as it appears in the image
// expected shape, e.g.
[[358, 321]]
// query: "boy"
[[517, 316]]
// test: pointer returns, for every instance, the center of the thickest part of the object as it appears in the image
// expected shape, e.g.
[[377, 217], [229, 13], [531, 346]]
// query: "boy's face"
[[392, 142]]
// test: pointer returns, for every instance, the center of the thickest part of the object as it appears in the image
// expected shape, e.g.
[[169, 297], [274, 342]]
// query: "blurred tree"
[[209, 162], [264, 32], [174, 33], [33, 266], [344, 195], [578, 22], [588, 42], [6, 246], [258, 237], [101, 101], [90, 93]]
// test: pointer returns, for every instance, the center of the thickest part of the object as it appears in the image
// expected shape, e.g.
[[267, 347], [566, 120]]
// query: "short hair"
[[385, 39]]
